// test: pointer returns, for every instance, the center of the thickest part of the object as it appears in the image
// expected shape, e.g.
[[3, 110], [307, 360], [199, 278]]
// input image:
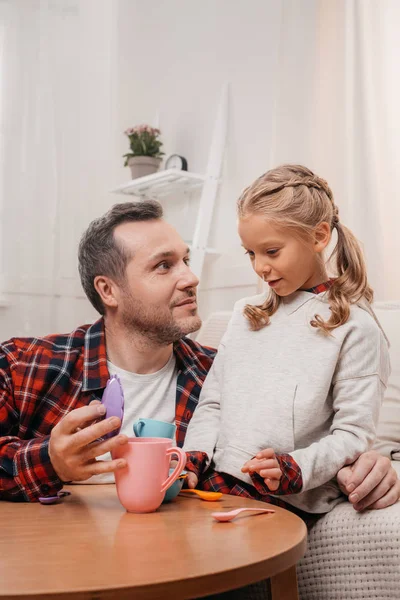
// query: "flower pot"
[[143, 165]]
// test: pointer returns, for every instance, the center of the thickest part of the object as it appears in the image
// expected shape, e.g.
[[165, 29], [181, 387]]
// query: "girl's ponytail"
[[351, 283]]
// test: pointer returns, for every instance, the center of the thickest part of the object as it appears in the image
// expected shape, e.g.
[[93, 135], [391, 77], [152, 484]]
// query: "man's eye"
[[273, 251], [163, 266], [186, 261]]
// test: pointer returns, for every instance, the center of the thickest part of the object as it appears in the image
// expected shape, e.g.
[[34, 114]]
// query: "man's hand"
[[74, 444], [266, 465], [370, 482]]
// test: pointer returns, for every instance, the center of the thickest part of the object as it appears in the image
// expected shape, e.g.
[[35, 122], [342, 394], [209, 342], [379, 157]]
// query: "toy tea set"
[[147, 481], [142, 484]]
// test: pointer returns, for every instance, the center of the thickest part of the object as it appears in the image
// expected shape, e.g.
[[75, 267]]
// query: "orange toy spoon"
[[208, 496]]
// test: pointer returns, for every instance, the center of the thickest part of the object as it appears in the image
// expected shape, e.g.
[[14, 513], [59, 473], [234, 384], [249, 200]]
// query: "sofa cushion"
[[388, 434], [352, 555]]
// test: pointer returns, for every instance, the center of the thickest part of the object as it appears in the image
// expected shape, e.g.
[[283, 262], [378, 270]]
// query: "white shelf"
[[207, 250], [162, 183], [176, 182]]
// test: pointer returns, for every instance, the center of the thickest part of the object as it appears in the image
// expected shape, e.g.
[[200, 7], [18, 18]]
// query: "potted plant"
[[145, 155]]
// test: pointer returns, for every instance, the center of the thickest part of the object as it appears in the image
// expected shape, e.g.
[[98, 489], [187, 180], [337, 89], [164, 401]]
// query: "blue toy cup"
[[175, 488], [153, 428]]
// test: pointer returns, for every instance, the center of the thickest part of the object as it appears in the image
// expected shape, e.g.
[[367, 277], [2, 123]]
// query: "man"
[[134, 268]]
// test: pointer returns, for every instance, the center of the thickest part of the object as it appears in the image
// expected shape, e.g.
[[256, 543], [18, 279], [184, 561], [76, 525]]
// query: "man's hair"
[[100, 254]]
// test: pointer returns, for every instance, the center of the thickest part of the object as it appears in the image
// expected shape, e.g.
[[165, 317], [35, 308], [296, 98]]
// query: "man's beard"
[[155, 323]]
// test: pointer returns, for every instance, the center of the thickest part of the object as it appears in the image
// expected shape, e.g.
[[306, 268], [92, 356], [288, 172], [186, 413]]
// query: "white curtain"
[[56, 115], [75, 73], [29, 153], [337, 108]]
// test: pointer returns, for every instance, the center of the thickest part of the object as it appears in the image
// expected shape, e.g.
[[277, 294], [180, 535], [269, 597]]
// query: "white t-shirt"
[[151, 396]]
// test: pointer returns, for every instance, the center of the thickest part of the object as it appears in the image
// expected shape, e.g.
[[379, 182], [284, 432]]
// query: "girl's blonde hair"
[[292, 196]]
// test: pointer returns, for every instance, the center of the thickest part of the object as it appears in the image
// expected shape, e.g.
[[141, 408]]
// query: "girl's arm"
[[357, 392], [202, 433], [273, 473], [356, 403]]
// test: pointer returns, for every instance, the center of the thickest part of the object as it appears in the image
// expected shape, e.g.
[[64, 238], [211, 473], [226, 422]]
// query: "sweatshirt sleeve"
[[203, 430], [26, 472], [357, 391]]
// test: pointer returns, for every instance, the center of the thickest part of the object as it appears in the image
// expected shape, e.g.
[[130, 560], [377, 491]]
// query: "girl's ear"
[[322, 236]]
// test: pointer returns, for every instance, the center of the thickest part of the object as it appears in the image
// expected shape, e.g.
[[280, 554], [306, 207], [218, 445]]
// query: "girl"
[[295, 390]]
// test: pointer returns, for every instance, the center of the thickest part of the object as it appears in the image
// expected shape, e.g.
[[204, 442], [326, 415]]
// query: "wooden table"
[[88, 547]]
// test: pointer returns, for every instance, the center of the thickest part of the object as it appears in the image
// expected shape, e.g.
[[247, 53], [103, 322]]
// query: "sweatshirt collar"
[[297, 299]]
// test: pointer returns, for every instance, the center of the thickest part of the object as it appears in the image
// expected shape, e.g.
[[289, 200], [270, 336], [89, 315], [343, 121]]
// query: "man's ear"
[[107, 290], [322, 236]]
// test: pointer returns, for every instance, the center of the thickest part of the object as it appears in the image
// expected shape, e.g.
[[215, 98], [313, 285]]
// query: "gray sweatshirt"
[[292, 388]]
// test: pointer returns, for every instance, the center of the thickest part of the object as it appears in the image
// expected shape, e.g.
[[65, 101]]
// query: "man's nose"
[[188, 279]]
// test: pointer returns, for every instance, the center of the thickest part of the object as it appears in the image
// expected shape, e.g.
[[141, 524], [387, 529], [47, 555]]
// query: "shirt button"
[[44, 488], [188, 415]]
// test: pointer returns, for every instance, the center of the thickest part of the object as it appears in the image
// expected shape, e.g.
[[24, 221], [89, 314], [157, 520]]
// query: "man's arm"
[[25, 468], [370, 482], [39, 466]]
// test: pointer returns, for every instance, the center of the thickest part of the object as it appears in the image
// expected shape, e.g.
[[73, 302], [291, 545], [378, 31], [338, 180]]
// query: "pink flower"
[[139, 129]]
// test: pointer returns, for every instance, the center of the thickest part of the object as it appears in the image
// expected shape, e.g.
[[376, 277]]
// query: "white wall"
[[79, 73], [60, 156], [99, 67], [312, 82], [174, 61]]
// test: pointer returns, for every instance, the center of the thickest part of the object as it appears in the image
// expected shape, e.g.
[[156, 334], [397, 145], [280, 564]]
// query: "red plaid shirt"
[[42, 379], [291, 481]]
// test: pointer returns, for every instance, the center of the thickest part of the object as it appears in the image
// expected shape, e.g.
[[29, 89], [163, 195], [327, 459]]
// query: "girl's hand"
[[191, 480], [267, 466]]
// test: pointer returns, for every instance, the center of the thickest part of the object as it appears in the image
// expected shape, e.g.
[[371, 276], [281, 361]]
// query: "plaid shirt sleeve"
[[196, 462], [291, 481], [26, 472]]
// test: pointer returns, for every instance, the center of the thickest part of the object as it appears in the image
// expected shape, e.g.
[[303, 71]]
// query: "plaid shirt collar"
[[95, 371], [189, 360], [322, 287]]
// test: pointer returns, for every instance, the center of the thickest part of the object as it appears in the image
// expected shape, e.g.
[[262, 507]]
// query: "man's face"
[[158, 296]]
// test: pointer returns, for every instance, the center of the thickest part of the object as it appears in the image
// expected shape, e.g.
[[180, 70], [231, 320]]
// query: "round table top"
[[87, 546]]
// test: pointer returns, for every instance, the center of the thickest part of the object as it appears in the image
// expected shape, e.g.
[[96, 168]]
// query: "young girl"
[[295, 390]]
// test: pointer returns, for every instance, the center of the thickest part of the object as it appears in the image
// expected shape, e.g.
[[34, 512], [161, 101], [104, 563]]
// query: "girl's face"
[[282, 258]]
